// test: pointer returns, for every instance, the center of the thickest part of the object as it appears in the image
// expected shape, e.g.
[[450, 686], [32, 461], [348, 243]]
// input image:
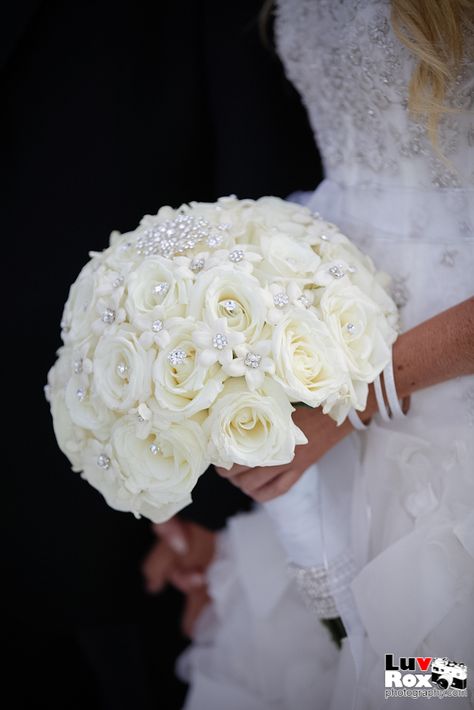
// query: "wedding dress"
[[402, 492]]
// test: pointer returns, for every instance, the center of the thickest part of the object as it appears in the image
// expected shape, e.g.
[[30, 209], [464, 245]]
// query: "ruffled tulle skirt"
[[256, 647], [410, 491]]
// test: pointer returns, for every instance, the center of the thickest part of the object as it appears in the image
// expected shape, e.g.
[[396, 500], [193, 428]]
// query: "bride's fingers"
[[277, 487], [174, 532], [255, 478], [187, 580], [157, 565], [236, 469]]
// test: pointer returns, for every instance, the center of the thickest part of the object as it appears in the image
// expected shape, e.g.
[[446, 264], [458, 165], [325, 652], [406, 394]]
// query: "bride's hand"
[[436, 350], [180, 556], [264, 483]]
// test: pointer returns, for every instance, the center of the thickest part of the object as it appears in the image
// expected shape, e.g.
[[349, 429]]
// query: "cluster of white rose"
[[187, 341]]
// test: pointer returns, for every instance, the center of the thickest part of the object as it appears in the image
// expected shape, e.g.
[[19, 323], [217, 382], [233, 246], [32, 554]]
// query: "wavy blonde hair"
[[434, 32]]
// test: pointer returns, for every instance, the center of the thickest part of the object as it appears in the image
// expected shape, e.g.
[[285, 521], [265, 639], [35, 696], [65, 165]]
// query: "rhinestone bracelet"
[[321, 586]]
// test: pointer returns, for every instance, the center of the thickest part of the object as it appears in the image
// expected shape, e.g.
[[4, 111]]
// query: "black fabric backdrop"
[[109, 110]]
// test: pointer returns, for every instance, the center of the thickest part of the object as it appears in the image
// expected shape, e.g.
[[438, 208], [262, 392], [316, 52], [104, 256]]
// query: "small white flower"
[[239, 258], [110, 315], [143, 415], [252, 362], [282, 297], [157, 331], [216, 342], [330, 271]]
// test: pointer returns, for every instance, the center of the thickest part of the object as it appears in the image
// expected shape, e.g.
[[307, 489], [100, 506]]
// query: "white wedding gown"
[[404, 491]]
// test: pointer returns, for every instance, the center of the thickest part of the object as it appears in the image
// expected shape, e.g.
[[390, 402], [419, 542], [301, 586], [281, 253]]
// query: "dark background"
[[111, 109]]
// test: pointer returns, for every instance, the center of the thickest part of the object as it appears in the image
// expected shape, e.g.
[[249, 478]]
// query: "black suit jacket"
[[111, 109]]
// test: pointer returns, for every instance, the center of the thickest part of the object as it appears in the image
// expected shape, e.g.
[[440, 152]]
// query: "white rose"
[[70, 437], [156, 286], [359, 327], [59, 374], [153, 476], [237, 297], [347, 262], [252, 428], [184, 386], [122, 256], [306, 360], [353, 393], [86, 408], [285, 257], [80, 309], [122, 370]]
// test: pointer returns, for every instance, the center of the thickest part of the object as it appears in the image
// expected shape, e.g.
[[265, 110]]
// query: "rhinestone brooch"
[[337, 271], [173, 237], [103, 461], [280, 300], [177, 357], [229, 306], [303, 301], [108, 316], [236, 255], [220, 341], [197, 265], [253, 360], [122, 369], [77, 366], [161, 289]]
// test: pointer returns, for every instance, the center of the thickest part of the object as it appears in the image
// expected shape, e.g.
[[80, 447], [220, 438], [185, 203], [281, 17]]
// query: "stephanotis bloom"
[[252, 362], [158, 331], [240, 257], [144, 416], [216, 342], [110, 315], [281, 296]]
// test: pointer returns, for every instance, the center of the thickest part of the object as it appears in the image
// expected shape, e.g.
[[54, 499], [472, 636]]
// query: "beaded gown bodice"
[[385, 185], [352, 73]]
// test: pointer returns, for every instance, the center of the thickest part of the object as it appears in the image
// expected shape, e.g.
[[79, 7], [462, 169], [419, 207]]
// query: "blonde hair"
[[433, 31]]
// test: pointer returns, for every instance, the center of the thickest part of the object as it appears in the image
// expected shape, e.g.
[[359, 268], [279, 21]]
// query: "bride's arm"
[[437, 350]]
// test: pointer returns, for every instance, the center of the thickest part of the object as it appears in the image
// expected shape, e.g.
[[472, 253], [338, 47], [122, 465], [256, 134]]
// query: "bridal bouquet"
[[187, 341]]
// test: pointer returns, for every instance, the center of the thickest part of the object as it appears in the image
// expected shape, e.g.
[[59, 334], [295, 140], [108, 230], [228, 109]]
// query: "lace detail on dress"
[[352, 73]]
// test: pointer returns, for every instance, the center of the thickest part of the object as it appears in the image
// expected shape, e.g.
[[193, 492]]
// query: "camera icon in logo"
[[449, 674]]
